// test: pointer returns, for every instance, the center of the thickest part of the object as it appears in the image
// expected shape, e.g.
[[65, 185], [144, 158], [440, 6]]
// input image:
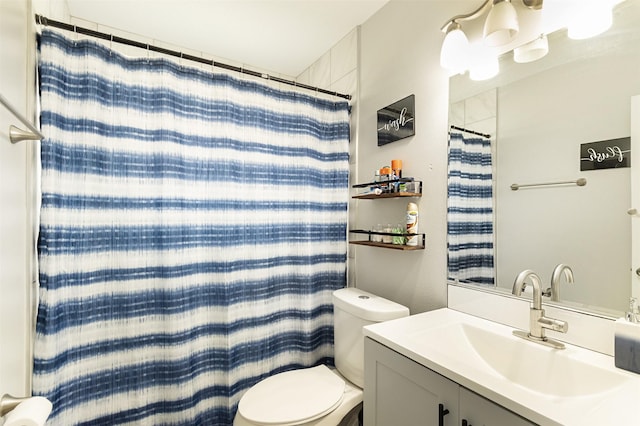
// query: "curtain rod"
[[15, 134], [462, 129], [42, 20]]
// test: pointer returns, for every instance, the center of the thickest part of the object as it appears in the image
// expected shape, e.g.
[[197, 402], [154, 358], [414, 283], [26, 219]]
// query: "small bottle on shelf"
[[399, 229], [377, 238], [388, 238], [412, 224], [396, 166]]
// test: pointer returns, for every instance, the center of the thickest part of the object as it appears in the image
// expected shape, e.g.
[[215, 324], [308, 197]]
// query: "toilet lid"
[[293, 397]]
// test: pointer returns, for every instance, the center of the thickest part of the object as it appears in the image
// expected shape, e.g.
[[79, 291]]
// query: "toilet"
[[321, 395]]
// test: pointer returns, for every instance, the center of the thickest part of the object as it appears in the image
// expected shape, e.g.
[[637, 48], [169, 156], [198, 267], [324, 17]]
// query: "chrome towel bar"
[[579, 182]]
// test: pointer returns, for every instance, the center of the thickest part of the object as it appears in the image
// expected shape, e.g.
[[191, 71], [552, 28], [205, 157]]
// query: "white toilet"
[[322, 395]]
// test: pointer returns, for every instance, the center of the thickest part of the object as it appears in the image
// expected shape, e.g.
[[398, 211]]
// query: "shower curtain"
[[470, 210], [193, 228]]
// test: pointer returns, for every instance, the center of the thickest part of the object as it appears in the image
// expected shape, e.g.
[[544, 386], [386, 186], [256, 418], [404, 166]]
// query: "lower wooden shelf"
[[387, 245], [420, 246]]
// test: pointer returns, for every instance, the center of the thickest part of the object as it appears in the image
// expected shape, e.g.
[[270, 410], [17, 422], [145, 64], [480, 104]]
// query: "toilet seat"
[[293, 397]]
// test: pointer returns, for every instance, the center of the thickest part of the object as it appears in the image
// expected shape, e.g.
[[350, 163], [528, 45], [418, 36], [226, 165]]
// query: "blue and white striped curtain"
[[193, 228], [470, 210]]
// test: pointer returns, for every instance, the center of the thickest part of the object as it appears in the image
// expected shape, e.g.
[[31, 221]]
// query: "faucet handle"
[[547, 292], [553, 324]]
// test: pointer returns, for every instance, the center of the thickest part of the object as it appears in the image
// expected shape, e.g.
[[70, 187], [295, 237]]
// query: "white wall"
[[477, 113], [400, 50], [16, 85]]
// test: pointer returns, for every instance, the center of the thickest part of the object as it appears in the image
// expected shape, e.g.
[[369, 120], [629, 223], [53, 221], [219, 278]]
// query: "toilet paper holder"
[[32, 410], [9, 402]]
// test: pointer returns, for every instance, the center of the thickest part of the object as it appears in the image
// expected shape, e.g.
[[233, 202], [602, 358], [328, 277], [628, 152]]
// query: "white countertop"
[[417, 337]]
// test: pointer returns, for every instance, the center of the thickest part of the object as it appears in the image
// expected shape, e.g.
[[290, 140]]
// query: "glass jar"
[[388, 238]]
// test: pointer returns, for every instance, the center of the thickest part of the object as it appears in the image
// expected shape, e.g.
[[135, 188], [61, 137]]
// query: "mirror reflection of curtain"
[[470, 210]]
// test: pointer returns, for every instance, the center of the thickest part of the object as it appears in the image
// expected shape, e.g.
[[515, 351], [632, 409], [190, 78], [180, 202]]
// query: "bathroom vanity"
[[407, 393], [446, 367]]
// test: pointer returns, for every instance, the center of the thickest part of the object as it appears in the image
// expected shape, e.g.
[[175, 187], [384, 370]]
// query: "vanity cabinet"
[[401, 392], [476, 410]]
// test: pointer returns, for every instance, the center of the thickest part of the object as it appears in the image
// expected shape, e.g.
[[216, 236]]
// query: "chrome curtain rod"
[[42, 20], [462, 129], [15, 134]]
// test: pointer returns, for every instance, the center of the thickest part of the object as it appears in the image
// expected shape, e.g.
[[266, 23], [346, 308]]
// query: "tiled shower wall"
[[337, 70], [478, 113]]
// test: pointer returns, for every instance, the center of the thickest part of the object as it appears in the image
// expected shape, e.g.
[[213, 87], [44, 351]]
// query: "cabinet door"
[[478, 411], [401, 392]]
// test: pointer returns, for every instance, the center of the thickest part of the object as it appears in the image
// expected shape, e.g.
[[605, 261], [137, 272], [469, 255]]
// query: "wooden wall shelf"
[[387, 195], [368, 242], [374, 196]]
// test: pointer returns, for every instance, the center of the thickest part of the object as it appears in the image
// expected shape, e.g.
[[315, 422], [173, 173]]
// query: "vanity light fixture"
[[533, 4], [531, 51], [501, 25], [455, 47], [587, 18]]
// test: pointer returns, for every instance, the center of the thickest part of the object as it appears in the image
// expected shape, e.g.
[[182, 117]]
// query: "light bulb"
[[592, 17], [484, 63], [455, 48], [531, 51], [501, 25]]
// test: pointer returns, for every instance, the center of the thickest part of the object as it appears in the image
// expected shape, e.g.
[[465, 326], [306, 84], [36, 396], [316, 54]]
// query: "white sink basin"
[[548, 386], [533, 366]]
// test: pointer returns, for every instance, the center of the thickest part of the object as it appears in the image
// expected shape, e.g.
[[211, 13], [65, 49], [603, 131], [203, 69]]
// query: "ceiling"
[[277, 36]]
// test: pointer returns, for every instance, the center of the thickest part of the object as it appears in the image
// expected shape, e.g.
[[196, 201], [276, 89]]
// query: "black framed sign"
[[397, 121], [609, 154]]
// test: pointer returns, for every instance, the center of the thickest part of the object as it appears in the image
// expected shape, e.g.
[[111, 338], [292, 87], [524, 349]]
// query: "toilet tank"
[[352, 310]]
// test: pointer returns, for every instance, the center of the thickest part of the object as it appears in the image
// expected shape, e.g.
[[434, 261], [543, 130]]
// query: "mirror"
[[538, 115]]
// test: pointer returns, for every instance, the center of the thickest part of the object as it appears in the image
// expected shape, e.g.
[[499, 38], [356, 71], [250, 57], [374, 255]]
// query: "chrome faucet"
[[537, 321], [555, 279]]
